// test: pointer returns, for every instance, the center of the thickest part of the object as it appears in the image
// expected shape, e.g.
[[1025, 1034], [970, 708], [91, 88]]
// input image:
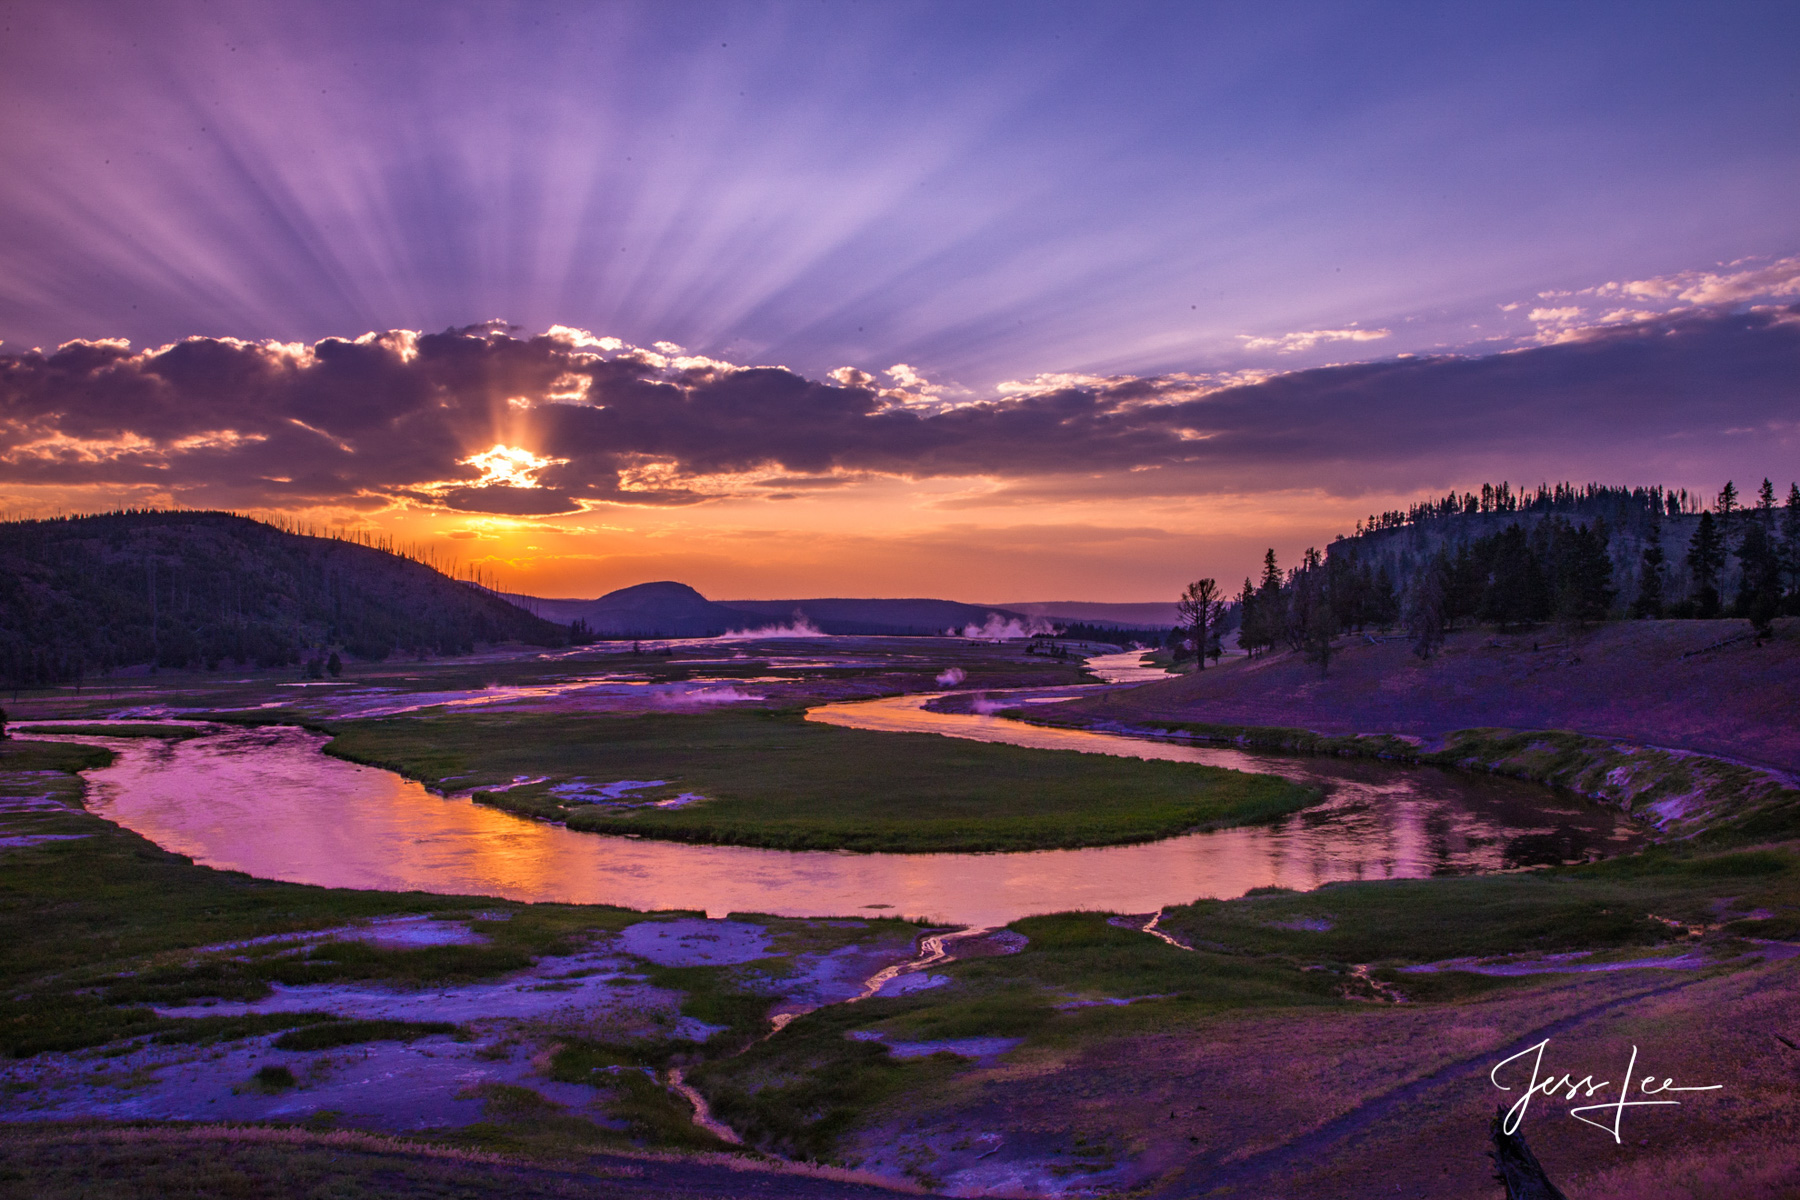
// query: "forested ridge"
[[1565, 554], [82, 596]]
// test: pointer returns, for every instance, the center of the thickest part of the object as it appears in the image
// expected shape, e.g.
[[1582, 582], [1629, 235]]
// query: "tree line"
[[1565, 554]]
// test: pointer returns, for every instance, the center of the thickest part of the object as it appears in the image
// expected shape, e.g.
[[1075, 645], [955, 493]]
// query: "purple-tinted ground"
[[1649, 682]]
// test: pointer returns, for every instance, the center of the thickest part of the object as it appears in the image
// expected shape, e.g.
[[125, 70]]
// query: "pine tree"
[[1649, 601], [1584, 576], [1384, 604], [1311, 622], [1246, 614], [1727, 508], [1424, 616], [1271, 607], [1759, 591], [1790, 547], [1515, 593], [1706, 558]]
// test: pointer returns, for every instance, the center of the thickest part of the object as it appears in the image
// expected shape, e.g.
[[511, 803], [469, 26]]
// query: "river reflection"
[[268, 802]]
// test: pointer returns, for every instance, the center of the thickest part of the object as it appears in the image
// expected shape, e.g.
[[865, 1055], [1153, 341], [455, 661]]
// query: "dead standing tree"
[[1201, 608], [1517, 1167]]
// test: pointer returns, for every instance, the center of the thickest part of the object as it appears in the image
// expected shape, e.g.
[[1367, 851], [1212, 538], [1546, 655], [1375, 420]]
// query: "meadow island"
[[325, 874]]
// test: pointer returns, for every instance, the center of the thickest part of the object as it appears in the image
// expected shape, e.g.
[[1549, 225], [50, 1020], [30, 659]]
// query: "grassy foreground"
[[772, 779]]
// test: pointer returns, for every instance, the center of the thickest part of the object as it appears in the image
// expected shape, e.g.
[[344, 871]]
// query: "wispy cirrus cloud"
[[1745, 282], [1735, 282], [1291, 343]]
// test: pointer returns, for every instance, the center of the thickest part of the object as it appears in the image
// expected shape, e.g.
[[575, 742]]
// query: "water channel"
[[268, 802]]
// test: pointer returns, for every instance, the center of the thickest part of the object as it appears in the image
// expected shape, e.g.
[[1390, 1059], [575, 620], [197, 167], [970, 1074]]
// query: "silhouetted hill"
[[893, 617], [648, 610], [1144, 615], [669, 609], [84, 595]]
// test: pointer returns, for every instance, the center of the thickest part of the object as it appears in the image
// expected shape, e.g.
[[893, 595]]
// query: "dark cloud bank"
[[219, 422]]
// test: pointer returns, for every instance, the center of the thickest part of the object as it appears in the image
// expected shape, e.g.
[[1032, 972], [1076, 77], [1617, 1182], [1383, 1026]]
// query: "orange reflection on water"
[[269, 803]]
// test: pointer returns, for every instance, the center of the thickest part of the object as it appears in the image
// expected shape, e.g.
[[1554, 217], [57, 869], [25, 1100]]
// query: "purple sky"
[[1053, 196]]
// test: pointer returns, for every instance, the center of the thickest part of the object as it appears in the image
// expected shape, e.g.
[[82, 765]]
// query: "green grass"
[[772, 779], [120, 730], [1600, 906]]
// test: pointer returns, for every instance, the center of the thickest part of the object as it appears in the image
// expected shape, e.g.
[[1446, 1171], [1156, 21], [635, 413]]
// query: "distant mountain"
[[1148, 615], [649, 610], [668, 609], [892, 617], [81, 596]]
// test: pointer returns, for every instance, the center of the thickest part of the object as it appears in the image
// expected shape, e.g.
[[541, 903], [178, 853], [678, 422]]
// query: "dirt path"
[[1256, 1174]]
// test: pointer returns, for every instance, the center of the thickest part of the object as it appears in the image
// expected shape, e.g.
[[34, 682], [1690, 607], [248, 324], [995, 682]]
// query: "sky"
[[997, 302]]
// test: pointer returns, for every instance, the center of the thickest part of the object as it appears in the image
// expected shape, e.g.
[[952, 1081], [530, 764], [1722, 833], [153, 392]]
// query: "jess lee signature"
[[1585, 1089]]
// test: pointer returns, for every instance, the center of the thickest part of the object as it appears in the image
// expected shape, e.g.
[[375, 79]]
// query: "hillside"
[[669, 609], [1142, 615], [915, 616], [85, 595], [1628, 520], [1649, 682], [649, 610]]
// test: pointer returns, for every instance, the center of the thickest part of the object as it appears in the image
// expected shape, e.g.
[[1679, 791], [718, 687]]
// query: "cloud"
[[429, 420], [508, 500], [1753, 279], [1290, 343]]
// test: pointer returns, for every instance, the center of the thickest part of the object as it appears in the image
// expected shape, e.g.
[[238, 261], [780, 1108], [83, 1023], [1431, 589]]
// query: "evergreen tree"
[[1649, 601], [1759, 590], [1246, 614], [1515, 593], [1384, 604], [1270, 610], [1790, 547], [1424, 616], [1311, 622], [1464, 585], [1727, 505], [1706, 558], [1582, 573]]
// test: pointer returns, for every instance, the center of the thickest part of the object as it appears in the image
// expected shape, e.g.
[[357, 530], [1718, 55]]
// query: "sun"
[[508, 466]]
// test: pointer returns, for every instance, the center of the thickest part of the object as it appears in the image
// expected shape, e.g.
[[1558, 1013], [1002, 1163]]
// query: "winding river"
[[268, 802]]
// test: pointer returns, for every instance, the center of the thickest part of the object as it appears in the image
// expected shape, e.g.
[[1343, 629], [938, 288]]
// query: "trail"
[[1252, 1175]]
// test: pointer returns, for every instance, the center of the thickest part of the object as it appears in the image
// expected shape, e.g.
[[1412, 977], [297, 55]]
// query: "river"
[[268, 802]]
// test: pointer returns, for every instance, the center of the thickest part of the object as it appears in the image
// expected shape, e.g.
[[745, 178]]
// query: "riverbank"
[[1685, 724]]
